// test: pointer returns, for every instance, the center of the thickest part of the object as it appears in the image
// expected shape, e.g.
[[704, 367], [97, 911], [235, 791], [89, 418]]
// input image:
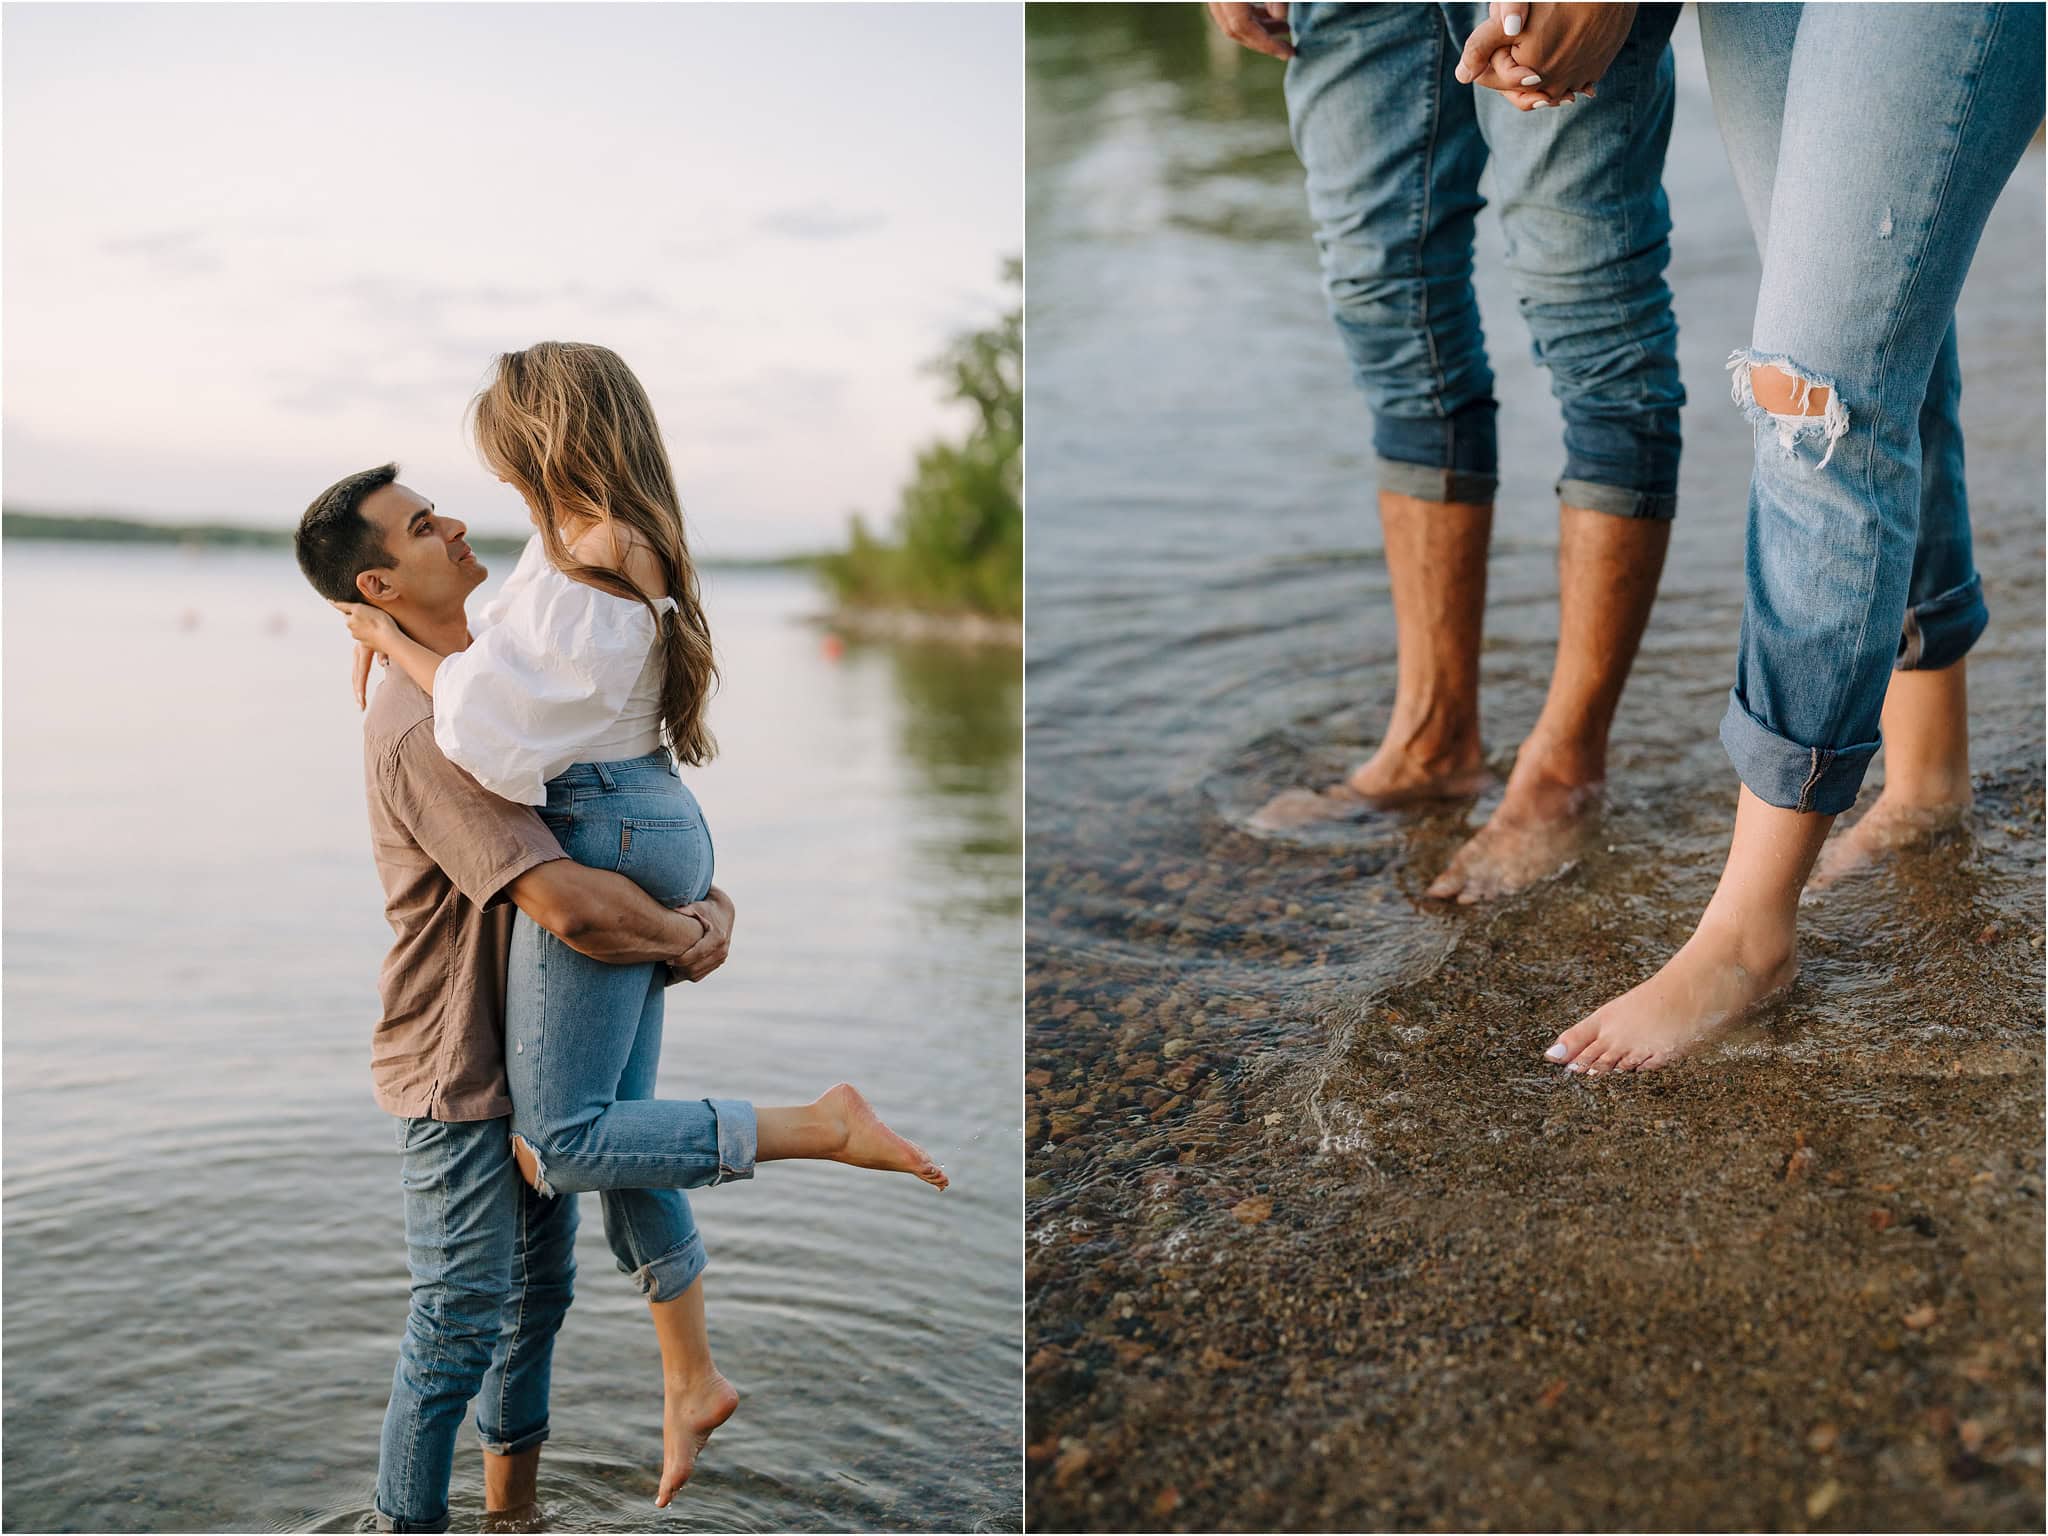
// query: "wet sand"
[[1317, 1239]]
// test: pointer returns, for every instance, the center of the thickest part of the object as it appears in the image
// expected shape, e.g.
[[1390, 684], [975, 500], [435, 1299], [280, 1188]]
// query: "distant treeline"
[[128, 530], [956, 544]]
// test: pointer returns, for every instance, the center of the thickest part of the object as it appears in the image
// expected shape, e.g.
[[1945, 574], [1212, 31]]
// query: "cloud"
[[819, 222], [169, 252]]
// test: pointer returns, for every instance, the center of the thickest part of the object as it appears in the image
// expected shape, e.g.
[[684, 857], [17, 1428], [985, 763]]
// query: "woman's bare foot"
[[1891, 823], [863, 1141], [1395, 775], [1536, 832], [1721, 974], [689, 1412]]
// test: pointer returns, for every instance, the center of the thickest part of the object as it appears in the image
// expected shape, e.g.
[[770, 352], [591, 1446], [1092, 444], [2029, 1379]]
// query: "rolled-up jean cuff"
[[1432, 482], [666, 1278], [1618, 500], [497, 1445], [1940, 631], [390, 1523], [1781, 772], [738, 1137]]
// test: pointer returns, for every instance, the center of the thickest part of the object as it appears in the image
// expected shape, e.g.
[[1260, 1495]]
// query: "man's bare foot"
[[1393, 776], [865, 1142], [1888, 826], [519, 1520], [1536, 832], [689, 1412], [1721, 974]]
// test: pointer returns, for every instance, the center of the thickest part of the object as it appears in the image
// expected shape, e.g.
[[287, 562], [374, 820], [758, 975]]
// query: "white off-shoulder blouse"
[[558, 672]]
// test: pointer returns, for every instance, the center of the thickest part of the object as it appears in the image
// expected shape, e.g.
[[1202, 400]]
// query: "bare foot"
[[865, 1142], [1719, 975], [1393, 776], [1536, 833], [689, 1412], [1885, 828]]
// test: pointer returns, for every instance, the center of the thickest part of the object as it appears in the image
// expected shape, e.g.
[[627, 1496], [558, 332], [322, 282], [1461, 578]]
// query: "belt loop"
[[604, 776]]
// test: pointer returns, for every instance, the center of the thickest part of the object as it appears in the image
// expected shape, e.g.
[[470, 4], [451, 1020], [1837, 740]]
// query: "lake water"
[[204, 1254], [1317, 1240]]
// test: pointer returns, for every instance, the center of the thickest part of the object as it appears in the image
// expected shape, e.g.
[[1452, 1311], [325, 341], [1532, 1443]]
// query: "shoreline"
[[976, 629]]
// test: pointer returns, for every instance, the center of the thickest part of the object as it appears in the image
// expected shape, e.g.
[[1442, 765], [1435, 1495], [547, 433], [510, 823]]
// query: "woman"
[[1870, 144], [585, 684]]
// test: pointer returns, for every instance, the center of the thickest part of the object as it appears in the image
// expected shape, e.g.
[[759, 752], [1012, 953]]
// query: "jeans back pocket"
[[667, 857]]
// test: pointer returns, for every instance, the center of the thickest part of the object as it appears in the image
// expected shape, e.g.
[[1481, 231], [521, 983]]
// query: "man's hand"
[[1561, 46], [1261, 28], [708, 953]]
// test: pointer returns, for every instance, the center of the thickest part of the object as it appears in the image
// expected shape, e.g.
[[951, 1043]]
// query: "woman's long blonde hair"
[[569, 426]]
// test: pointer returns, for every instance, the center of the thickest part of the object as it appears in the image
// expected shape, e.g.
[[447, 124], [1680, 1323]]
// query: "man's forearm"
[[603, 915]]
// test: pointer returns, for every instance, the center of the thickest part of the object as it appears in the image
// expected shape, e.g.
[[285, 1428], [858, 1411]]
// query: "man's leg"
[[1393, 155], [512, 1408], [1587, 226], [461, 1200]]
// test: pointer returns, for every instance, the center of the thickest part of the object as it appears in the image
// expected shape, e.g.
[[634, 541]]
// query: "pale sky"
[[250, 248]]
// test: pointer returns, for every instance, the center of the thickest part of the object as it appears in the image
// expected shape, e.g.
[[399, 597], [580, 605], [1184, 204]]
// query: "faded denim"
[[583, 1038], [1870, 143], [493, 1271], [1393, 146]]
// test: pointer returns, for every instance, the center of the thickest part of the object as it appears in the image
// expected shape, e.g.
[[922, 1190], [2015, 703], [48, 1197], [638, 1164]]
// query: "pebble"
[[1253, 1209], [1922, 1316], [1822, 1499]]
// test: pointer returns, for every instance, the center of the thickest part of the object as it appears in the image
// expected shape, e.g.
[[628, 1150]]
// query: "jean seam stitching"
[[1884, 351], [1436, 370]]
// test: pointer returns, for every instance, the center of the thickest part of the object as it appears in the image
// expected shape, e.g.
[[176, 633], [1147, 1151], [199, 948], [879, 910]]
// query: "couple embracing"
[[1869, 143], [547, 877]]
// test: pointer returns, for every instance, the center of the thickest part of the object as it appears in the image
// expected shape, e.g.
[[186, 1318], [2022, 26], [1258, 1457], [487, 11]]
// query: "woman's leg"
[[1865, 257], [653, 1235]]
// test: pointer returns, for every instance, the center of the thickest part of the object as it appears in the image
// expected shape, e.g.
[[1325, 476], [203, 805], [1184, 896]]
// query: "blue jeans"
[[493, 1269], [1393, 146], [583, 1038], [1870, 143]]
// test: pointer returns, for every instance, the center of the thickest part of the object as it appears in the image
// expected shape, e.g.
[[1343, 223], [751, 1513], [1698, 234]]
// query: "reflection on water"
[[205, 1263], [1316, 1238]]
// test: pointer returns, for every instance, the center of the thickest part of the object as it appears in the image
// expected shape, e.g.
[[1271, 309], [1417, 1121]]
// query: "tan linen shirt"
[[446, 850]]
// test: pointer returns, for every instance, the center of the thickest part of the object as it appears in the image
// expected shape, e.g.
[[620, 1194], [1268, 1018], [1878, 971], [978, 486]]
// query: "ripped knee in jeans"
[[530, 1167], [1801, 405]]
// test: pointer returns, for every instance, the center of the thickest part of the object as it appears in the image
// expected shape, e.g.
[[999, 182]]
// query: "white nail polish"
[[1539, 104], [1512, 24], [1556, 1052], [1532, 79]]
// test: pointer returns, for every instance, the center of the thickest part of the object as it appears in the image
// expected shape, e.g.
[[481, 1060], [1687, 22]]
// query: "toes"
[[1574, 1040]]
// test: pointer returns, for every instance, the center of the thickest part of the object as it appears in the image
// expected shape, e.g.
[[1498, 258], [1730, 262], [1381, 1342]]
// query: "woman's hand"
[[1261, 28], [359, 674], [1560, 46], [371, 626]]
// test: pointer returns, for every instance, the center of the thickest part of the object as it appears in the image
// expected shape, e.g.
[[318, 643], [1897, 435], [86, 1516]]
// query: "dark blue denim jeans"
[[1393, 146], [583, 1038], [493, 1270]]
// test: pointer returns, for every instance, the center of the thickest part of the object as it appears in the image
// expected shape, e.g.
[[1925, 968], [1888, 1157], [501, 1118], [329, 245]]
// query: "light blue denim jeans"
[[1870, 143], [493, 1270], [1393, 146], [583, 1038]]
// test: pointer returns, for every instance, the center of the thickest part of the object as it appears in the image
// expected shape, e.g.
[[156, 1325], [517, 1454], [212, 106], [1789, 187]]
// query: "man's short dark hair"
[[336, 543]]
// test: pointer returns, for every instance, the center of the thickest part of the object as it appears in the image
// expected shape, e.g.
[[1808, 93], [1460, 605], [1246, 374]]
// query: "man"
[[1393, 141], [492, 1262]]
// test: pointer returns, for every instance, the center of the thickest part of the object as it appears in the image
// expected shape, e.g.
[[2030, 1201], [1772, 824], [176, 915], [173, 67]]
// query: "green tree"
[[957, 542]]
